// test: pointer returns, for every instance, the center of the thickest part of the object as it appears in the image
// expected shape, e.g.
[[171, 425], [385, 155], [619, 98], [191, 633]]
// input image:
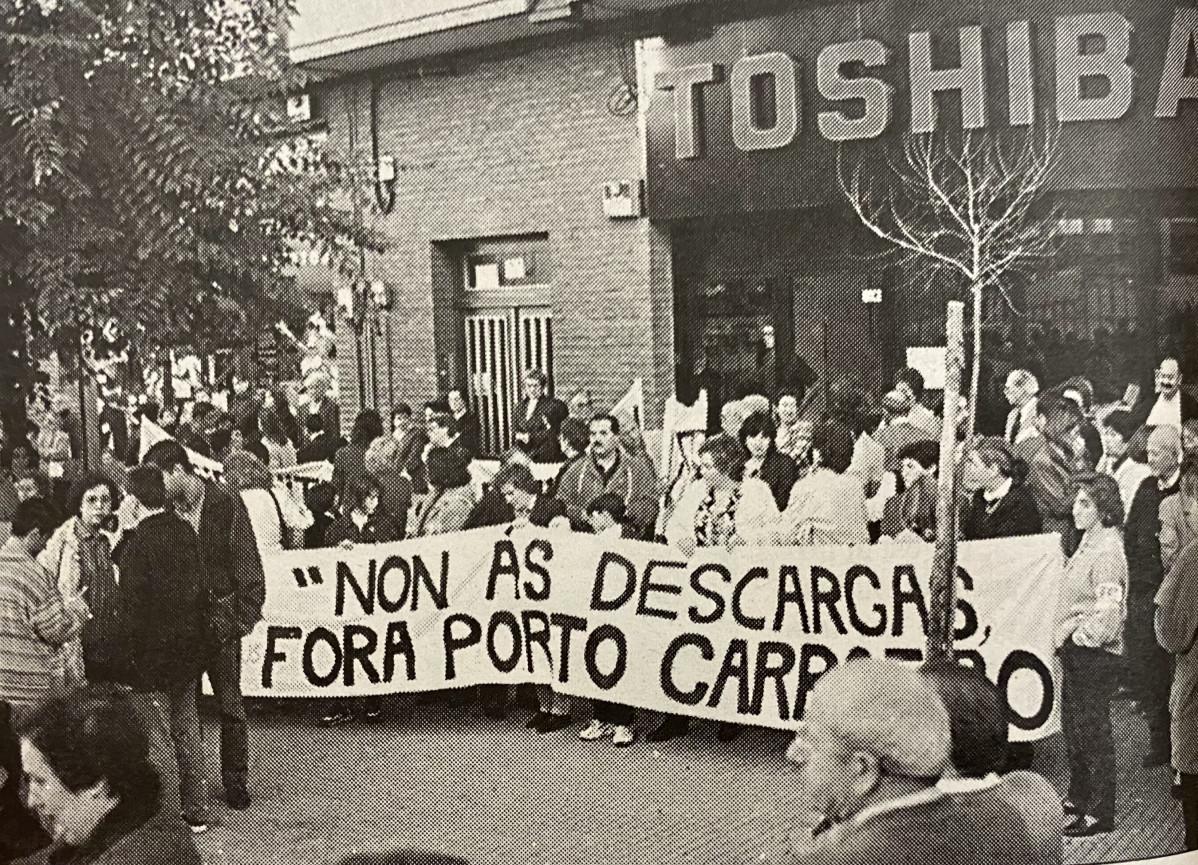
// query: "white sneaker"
[[622, 736], [595, 730]]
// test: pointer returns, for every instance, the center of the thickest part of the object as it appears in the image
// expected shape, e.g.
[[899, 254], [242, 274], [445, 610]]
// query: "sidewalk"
[[491, 792]]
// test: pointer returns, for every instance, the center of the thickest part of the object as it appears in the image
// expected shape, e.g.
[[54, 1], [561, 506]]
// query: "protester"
[[1002, 506], [1051, 456], [451, 498], [897, 430], [530, 508], [1126, 467], [1189, 439], [1171, 406], [162, 598], [913, 511], [757, 436], [828, 506], [469, 430], [1021, 391], [732, 415], [794, 434], [608, 468], [910, 384], [349, 463], [278, 518], [492, 509], [274, 437], [90, 779], [874, 741], [321, 446], [573, 438], [412, 439], [383, 463], [320, 500], [979, 746], [581, 405], [361, 519], [538, 419], [233, 574], [53, 445], [607, 515], [1081, 393], [1091, 612], [1148, 663], [79, 553], [1179, 516]]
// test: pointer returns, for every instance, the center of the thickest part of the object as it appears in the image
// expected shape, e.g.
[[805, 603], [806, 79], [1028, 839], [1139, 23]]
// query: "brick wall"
[[509, 146]]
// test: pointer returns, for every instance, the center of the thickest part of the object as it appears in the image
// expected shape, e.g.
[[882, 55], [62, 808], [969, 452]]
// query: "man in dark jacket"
[[322, 445], [161, 600], [1149, 665], [538, 420], [233, 575]]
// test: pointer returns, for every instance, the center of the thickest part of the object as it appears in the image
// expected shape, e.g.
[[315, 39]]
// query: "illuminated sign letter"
[[1175, 84], [1021, 89], [1109, 63], [969, 78], [875, 93], [780, 69], [688, 116]]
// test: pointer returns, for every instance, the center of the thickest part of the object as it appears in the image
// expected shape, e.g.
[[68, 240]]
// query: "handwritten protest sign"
[[737, 635]]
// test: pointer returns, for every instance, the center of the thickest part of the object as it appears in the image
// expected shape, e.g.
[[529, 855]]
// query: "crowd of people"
[[1118, 483]]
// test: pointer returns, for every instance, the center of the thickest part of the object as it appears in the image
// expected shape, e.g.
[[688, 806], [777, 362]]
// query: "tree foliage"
[[147, 171]]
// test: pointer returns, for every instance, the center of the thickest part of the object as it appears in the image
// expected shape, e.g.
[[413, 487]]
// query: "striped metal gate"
[[501, 345]]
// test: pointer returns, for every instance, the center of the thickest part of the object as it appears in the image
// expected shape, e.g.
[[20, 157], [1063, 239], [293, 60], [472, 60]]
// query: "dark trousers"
[[1151, 671], [1189, 808], [613, 713], [224, 672], [1086, 722]]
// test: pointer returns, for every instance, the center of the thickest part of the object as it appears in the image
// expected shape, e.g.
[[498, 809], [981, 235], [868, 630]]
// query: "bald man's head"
[[1164, 451], [1168, 377]]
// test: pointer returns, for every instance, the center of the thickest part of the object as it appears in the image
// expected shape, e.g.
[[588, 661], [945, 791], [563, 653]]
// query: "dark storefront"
[[774, 276]]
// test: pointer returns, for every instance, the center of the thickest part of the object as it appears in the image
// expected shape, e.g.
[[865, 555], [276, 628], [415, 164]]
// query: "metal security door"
[[500, 346]]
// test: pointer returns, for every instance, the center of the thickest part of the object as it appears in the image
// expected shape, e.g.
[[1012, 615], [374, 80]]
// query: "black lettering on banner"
[[504, 563], [857, 572], [598, 602], [538, 567], [569, 625], [774, 661], [1023, 660], [668, 687], [599, 636], [274, 633], [826, 597], [808, 676], [321, 635], [398, 642], [394, 563], [474, 633], [753, 623], [439, 592], [907, 591], [346, 576], [360, 653], [314, 576], [908, 656], [857, 652], [507, 620], [735, 666], [647, 586], [536, 630], [717, 600], [969, 626], [790, 591], [971, 658]]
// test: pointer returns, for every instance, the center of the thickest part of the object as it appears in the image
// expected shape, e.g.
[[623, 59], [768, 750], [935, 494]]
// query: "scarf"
[[716, 528]]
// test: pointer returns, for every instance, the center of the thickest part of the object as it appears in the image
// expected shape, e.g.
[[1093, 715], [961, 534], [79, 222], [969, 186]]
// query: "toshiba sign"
[[781, 92]]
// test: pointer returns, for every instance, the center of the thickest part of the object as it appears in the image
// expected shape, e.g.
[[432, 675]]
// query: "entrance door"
[[501, 345]]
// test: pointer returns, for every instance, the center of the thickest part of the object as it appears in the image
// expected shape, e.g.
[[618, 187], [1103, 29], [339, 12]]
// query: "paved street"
[[455, 783]]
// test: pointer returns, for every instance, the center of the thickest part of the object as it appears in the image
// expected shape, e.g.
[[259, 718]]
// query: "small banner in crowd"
[[737, 635]]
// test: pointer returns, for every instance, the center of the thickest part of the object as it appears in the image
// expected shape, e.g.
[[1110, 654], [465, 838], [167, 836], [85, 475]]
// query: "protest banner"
[[738, 635]]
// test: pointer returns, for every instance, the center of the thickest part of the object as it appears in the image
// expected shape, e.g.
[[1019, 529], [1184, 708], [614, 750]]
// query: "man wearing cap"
[[1021, 390], [1172, 406], [875, 740]]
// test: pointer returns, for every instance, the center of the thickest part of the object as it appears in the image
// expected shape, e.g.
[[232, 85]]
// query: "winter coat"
[[1015, 515]]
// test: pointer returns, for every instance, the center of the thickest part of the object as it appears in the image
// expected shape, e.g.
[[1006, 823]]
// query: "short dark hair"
[[835, 443], [167, 455], [926, 453], [538, 375], [1121, 423], [35, 513], [1052, 403], [611, 504], [90, 481], [95, 735], [359, 490], [518, 476], [448, 468], [758, 423], [446, 421], [314, 423], [1104, 491], [147, 486], [401, 410], [611, 419], [367, 427], [574, 431], [977, 717], [727, 454], [913, 378]]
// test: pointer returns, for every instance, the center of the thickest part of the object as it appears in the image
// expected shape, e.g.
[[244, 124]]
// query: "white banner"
[[736, 635]]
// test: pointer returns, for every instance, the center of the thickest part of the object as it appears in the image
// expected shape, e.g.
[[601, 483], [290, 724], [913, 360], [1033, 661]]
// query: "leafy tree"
[[147, 171]]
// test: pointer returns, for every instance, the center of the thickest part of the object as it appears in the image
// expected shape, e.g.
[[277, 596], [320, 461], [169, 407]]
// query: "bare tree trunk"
[[944, 562], [975, 373]]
